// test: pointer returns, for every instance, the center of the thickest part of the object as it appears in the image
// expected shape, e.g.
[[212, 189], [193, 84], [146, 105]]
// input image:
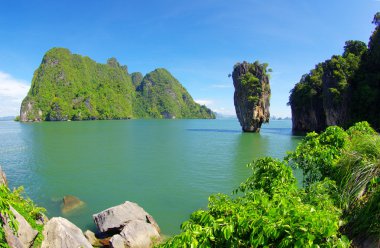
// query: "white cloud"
[[204, 102], [12, 91], [221, 86], [225, 111]]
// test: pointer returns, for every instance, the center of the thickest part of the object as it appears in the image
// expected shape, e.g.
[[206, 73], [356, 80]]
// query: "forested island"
[[342, 90], [68, 86]]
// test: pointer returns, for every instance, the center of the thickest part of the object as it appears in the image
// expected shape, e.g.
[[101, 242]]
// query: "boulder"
[[138, 233], [252, 93], [118, 241], [25, 235], [3, 178], [115, 218], [71, 203], [90, 236], [60, 232]]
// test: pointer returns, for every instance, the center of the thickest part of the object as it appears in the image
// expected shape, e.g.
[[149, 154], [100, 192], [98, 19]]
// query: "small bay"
[[169, 167]]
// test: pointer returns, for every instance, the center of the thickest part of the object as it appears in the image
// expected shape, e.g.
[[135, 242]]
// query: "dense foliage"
[[23, 206], [341, 174], [162, 96], [255, 81], [342, 90], [71, 87]]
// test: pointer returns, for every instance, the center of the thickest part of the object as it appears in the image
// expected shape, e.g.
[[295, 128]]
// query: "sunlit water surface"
[[169, 167]]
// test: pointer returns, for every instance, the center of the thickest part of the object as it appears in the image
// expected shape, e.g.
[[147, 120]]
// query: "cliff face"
[[252, 93], [342, 90], [68, 86], [322, 97]]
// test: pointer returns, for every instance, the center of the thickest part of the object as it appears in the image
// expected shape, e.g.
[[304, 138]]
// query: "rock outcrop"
[[90, 236], [59, 232], [139, 233], [340, 91], [252, 93], [3, 178], [129, 225], [25, 235], [71, 203]]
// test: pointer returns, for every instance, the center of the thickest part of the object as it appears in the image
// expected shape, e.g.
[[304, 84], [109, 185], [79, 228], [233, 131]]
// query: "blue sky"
[[198, 41]]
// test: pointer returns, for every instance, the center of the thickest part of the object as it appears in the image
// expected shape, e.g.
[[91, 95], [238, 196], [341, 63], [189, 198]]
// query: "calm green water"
[[169, 167]]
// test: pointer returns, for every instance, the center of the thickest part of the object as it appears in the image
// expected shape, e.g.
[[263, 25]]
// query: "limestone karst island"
[[139, 124]]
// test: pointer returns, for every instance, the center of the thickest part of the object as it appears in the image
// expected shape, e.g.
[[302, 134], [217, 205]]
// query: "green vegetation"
[[255, 81], [342, 90], [71, 87], [23, 206], [160, 95], [341, 175]]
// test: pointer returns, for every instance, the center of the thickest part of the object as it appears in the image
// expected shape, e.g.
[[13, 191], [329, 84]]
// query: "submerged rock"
[[115, 218], [71, 203], [60, 232], [252, 93]]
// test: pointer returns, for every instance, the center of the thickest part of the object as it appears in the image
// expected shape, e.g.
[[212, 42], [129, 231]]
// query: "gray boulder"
[[25, 235], [138, 233], [3, 178], [61, 233], [115, 218], [118, 241]]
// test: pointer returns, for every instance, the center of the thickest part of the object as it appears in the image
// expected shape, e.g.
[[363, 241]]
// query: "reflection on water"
[[169, 167]]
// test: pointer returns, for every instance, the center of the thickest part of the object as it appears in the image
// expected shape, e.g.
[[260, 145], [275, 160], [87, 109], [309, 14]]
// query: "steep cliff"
[[68, 86], [252, 93], [322, 97], [342, 90]]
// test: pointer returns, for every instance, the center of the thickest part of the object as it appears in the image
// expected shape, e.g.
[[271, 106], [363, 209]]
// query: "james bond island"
[[252, 95]]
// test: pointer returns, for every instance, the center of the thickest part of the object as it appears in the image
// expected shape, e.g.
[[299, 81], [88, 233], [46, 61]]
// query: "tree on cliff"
[[342, 90], [376, 19]]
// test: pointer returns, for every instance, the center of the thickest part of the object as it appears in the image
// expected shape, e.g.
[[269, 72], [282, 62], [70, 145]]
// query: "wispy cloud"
[[12, 91], [221, 86]]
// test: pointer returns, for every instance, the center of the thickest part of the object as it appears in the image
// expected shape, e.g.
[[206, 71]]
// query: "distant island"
[[7, 118], [68, 86], [342, 90]]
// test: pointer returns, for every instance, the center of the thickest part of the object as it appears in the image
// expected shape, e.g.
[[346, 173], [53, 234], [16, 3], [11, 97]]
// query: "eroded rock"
[[60, 232], [118, 241], [252, 93], [25, 235], [138, 233], [90, 236], [115, 218], [3, 178]]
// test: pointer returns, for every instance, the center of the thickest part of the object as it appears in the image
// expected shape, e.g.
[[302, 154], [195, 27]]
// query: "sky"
[[198, 41]]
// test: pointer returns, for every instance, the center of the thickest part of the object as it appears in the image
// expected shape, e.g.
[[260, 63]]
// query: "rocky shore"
[[122, 226]]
